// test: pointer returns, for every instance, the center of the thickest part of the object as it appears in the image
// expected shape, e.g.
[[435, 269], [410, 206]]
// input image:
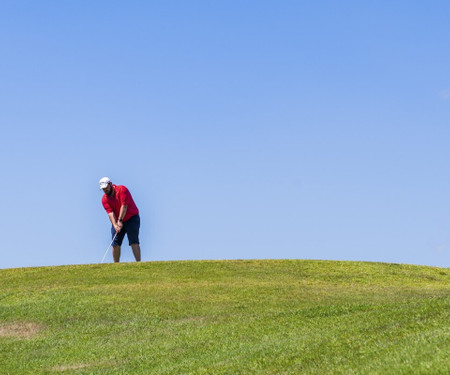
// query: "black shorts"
[[131, 228]]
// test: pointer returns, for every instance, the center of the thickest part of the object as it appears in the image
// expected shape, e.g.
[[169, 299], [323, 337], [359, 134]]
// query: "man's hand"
[[118, 226]]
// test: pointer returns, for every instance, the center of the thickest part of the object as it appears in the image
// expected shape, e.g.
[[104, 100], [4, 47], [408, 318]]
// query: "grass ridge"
[[280, 316]]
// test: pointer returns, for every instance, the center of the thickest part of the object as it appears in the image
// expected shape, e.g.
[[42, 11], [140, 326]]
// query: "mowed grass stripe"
[[227, 317]]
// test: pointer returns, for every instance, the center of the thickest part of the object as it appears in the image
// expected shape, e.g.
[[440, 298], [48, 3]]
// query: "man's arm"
[[122, 213]]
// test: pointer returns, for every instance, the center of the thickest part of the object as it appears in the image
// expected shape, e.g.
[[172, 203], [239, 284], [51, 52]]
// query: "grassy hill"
[[226, 317]]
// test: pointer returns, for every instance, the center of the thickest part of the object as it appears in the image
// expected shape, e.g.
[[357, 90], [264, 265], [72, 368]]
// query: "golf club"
[[109, 247]]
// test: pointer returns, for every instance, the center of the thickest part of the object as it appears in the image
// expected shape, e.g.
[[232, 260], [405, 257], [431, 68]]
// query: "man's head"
[[106, 185]]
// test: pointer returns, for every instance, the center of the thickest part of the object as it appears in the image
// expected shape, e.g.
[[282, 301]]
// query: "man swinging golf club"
[[124, 216]]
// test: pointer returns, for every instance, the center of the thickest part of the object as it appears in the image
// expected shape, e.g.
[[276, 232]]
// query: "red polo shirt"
[[121, 196]]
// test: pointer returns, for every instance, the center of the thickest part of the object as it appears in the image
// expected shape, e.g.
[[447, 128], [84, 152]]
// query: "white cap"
[[104, 182]]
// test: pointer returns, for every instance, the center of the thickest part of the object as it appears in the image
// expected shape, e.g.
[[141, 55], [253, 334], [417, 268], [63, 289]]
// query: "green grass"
[[226, 317]]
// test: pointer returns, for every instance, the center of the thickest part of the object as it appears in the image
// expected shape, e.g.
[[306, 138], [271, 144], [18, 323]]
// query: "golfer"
[[124, 216]]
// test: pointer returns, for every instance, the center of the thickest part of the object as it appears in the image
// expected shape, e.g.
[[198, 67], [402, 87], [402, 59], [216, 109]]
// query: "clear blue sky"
[[243, 129]]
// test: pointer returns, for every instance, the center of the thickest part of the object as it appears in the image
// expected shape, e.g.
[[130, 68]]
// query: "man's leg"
[[136, 251], [117, 243], [133, 236], [116, 254]]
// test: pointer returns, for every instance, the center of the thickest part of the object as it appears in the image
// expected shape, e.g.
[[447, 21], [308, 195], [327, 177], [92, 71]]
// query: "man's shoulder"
[[121, 188]]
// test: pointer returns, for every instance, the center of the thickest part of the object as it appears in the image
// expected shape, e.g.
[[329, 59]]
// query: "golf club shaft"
[[106, 252]]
